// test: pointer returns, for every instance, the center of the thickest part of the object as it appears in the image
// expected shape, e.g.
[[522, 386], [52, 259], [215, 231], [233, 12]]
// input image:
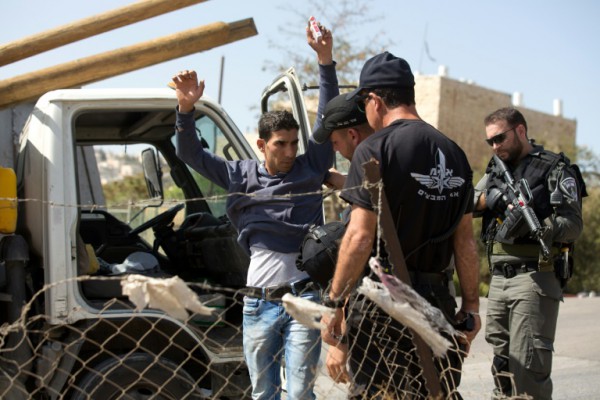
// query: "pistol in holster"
[[563, 264]]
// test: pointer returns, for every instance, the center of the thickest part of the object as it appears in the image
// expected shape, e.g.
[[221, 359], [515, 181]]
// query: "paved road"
[[576, 371]]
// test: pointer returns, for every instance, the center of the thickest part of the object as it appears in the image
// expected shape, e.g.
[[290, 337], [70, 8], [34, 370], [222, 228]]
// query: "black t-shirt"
[[426, 177]]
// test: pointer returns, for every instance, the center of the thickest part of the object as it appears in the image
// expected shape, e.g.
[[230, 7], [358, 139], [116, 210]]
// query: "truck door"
[[285, 93]]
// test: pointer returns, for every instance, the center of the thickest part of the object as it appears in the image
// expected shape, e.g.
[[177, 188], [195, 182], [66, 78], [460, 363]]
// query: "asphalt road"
[[576, 363]]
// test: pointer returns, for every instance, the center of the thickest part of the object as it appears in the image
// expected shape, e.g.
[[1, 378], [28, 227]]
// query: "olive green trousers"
[[521, 326]]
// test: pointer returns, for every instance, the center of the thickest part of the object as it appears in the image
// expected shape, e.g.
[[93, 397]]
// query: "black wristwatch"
[[343, 339], [331, 303]]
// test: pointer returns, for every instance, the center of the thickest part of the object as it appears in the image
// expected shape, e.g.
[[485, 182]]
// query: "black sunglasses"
[[360, 101], [499, 138]]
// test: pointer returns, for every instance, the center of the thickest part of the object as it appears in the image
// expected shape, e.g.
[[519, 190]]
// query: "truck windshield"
[[122, 187]]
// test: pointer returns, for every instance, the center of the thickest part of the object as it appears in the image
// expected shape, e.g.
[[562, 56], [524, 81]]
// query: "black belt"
[[275, 293], [511, 270]]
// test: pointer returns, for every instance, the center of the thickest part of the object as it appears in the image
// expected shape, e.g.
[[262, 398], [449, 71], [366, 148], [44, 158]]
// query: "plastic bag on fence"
[[171, 295]]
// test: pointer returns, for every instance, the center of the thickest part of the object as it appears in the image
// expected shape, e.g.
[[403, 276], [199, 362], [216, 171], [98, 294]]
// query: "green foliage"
[[130, 189], [589, 163], [586, 255], [484, 268], [174, 193]]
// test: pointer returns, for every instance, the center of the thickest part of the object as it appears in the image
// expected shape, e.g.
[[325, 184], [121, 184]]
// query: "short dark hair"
[[509, 114], [274, 121], [395, 97]]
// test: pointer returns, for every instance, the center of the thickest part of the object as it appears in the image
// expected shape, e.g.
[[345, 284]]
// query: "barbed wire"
[[142, 203]]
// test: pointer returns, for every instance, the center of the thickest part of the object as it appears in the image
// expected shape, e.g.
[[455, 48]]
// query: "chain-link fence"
[[112, 349]]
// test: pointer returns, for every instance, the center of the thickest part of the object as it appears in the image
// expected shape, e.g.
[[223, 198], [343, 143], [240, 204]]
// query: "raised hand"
[[187, 89], [323, 47]]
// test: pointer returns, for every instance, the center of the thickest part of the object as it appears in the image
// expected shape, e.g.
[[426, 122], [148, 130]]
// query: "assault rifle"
[[519, 195]]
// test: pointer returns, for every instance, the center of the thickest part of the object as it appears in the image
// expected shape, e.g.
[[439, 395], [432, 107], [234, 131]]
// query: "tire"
[[134, 377], [12, 389]]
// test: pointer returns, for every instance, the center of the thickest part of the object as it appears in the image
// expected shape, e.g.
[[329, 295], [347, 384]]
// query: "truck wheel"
[[12, 389], [136, 376]]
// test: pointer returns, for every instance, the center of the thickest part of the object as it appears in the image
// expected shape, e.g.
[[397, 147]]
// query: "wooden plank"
[[87, 27], [101, 66]]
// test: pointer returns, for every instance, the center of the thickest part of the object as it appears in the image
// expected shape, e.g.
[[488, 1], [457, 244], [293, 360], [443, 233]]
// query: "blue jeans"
[[269, 334]]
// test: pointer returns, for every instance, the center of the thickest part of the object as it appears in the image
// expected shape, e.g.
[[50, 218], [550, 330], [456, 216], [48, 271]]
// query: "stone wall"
[[458, 108]]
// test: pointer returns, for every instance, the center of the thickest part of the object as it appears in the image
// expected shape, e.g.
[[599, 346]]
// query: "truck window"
[[123, 190]]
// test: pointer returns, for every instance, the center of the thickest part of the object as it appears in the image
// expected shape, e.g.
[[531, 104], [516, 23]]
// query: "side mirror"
[[152, 174]]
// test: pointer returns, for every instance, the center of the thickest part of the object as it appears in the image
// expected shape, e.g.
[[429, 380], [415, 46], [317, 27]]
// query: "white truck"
[[68, 331]]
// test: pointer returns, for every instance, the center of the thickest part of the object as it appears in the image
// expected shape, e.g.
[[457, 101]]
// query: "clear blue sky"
[[543, 49]]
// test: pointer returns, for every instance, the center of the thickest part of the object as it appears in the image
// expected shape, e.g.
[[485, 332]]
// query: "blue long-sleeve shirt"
[[269, 218]]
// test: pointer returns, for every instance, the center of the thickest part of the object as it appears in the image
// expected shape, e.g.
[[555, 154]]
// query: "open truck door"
[[285, 93]]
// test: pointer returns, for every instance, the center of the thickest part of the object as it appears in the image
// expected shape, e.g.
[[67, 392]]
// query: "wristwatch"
[[343, 339]]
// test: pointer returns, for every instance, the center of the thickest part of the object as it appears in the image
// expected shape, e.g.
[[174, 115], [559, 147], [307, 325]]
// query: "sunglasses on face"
[[361, 101], [499, 138]]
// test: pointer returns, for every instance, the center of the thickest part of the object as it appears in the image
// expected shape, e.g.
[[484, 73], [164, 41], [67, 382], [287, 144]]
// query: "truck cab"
[[99, 184]]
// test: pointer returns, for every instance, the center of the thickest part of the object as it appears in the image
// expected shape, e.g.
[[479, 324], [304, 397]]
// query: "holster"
[[563, 264]]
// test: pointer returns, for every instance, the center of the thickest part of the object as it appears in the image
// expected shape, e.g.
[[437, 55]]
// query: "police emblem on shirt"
[[439, 178], [569, 188]]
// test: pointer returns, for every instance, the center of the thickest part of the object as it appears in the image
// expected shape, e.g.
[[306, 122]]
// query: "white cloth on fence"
[[307, 312], [171, 295], [396, 298], [409, 308]]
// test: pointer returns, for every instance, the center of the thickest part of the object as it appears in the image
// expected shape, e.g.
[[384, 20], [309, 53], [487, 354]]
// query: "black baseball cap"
[[384, 70], [339, 113]]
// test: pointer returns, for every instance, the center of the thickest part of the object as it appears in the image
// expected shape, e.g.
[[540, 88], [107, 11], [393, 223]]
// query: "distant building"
[[458, 108]]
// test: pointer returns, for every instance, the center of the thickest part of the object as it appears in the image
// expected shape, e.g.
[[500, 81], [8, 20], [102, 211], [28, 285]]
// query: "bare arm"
[[335, 179], [479, 199], [467, 269], [354, 251], [352, 257]]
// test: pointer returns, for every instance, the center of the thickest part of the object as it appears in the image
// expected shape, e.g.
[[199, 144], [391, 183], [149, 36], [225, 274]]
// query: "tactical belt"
[[520, 250], [275, 293], [511, 270]]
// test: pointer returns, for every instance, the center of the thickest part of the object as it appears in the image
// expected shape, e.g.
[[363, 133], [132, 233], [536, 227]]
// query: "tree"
[[586, 275], [589, 163], [130, 189], [587, 263], [352, 44]]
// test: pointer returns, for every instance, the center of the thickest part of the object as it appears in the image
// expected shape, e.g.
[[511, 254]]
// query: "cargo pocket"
[[539, 360], [546, 284]]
